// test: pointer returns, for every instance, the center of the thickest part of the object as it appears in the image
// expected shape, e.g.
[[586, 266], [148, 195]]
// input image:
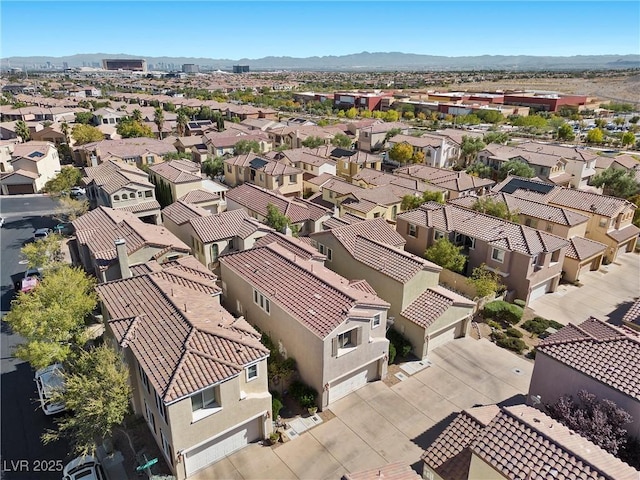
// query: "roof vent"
[[312, 311]]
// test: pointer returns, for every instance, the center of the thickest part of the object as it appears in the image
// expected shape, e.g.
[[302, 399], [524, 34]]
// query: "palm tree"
[[137, 115], [22, 131], [158, 119], [182, 122]]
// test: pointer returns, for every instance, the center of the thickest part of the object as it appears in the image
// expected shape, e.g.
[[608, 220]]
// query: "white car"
[[83, 468], [76, 191], [49, 380]]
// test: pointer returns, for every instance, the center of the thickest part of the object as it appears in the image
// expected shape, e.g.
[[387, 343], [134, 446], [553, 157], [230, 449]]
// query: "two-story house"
[[528, 260], [198, 375], [263, 172], [123, 187], [175, 179], [427, 314], [439, 151], [333, 327], [610, 218], [30, 167], [374, 138], [455, 183], [98, 230], [134, 151]]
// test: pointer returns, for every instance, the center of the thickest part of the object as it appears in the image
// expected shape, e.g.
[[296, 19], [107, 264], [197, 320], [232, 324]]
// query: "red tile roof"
[[376, 229], [200, 196], [234, 223], [598, 350], [431, 304], [393, 471], [181, 212], [177, 171], [295, 245], [583, 248], [111, 176]]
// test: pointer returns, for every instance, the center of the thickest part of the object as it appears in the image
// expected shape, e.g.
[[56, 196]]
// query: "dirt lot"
[[623, 88]]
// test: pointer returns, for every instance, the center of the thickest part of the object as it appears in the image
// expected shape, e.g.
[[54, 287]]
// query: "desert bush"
[[503, 311], [513, 332], [304, 394], [400, 342], [513, 344]]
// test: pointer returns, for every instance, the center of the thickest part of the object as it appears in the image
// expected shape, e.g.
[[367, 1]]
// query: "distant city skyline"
[[243, 29]]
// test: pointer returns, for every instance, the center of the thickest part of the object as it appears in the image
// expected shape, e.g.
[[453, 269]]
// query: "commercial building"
[[135, 65]]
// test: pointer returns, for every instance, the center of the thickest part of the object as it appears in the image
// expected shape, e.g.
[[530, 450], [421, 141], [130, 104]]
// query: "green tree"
[[627, 139], [51, 318], [470, 147], [246, 146], [277, 220], [446, 254], [158, 119], [401, 152], [531, 122], [313, 142], [410, 202], [495, 137], [213, 167], [97, 391], [69, 209], [44, 253], [494, 208], [82, 134], [84, 117], [22, 130], [490, 116], [63, 181], [595, 135], [392, 133], [136, 115], [479, 169], [177, 156], [516, 168], [391, 116], [341, 140], [132, 129], [181, 123], [565, 132], [417, 157], [617, 182], [351, 113], [484, 280]]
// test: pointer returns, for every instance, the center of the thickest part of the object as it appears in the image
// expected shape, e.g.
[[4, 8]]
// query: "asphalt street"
[[23, 422]]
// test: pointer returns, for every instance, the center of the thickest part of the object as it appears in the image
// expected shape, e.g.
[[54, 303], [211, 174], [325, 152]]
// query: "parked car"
[[75, 191], [49, 380], [42, 233], [1, 221], [32, 278], [63, 229], [86, 467]]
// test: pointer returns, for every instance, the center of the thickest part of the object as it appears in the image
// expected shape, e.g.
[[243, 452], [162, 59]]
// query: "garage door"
[[19, 189], [584, 269], [540, 290], [442, 338], [352, 381], [212, 451]]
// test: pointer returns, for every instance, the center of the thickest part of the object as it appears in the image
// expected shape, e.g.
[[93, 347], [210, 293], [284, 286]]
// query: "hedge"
[[304, 394], [503, 311], [514, 332], [510, 343], [538, 325]]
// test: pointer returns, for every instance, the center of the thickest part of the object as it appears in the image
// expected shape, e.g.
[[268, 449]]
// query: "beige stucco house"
[[176, 178], [31, 166], [333, 327], [139, 242], [198, 375], [134, 151], [263, 172]]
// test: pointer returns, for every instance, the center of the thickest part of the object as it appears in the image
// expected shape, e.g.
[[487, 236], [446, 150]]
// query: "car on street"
[[1, 221], [42, 233], [86, 467], [50, 380], [32, 277]]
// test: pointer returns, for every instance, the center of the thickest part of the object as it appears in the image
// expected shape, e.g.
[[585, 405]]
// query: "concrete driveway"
[[378, 424], [605, 293]]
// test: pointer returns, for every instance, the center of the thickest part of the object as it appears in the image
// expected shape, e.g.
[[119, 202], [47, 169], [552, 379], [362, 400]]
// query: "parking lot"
[[379, 424]]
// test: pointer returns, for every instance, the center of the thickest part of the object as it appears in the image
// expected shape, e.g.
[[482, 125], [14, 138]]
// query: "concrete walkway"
[[604, 293], [378, 424]]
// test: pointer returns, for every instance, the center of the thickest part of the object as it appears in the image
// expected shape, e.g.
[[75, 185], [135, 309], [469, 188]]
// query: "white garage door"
[[212, 451], [442, 337], [353, 381], [540, 290], [583, 269]]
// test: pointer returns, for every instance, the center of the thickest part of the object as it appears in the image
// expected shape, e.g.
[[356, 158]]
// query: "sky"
[[244, 29]]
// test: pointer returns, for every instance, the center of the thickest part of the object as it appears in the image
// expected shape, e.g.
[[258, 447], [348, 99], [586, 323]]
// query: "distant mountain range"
[[365, 61]]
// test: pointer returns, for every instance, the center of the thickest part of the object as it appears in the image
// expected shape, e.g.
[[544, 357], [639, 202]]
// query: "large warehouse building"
[[132, 64]]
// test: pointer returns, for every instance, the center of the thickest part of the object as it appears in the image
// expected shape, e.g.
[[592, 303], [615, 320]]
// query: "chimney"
[[288, 232], [123, 259]]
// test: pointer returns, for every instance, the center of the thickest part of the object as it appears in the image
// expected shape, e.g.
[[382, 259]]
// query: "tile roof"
[[583, 248], [522, 442], [625, 233], [140, 207], [532, 157], [315, 296], [496, 232], [263, 164], [570, 153], [633, 314], [177, 171], [444, 178], [431, 304], [111, 176], [420, 142], [99, 228], [181, 212], [376, 229], [233, 223], [129, 147], [181, 336], [295, 245], [256, 199], [598, 350], [393, 471], [449, 454], [588, 202], [200, 196], [34, 151]]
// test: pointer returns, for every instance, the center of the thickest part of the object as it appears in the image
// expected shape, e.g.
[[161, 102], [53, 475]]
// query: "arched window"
[[116, 198]]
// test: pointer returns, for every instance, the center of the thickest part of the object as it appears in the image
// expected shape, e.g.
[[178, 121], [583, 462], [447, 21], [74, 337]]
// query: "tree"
[[470, 147], [51, 318], [137, 115], [246, 146], [277, 220], [82, 134], [595, 135], [409, 202], [84, 117], [130, 128], [64, 128], [392, 133], [341, 140], [177, 156], [181, 123], [617, 182], [22, 130], [565, 132], [495, 137], [599, 420], [63, 181], [484, 281], [351, 113], [97, 391], [401, 152], [417, 157], [516, 168], [446, 254], [69, 209], [44, 253], [530, 122], [391, 116], [213, 167], [489, 116], [494, 208], [313, 142], [479, 169], [628, 138], [158, 119]]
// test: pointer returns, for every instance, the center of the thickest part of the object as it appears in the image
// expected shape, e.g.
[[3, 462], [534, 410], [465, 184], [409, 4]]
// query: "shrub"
[[276, 406], [498, 335], [538, 325], [514, 332], [556, 325], [493, 324], [304, 394], [392, 352], [520, 303], [400, 342], [503, 311], [513, 344]]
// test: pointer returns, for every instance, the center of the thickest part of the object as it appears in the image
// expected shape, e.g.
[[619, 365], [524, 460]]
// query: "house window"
[[497, 255], [139, 194], [293, 178], [262, 177], [228, 168], [470, 243], [329, 254], [603, 222], [148, 194], [531, 222], [376, 321], [151, 420], [166, 447], [437, 235], [345, 164], [549, 227], [321, 248], [214, 252], [330, 194], [346, 342], [262, 301], [555, 256], [144, 378], [204, 400], [458, 239], [252, 372], [150, 159], [412, 230], [161, 407], [116, 198], [347, 339]]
